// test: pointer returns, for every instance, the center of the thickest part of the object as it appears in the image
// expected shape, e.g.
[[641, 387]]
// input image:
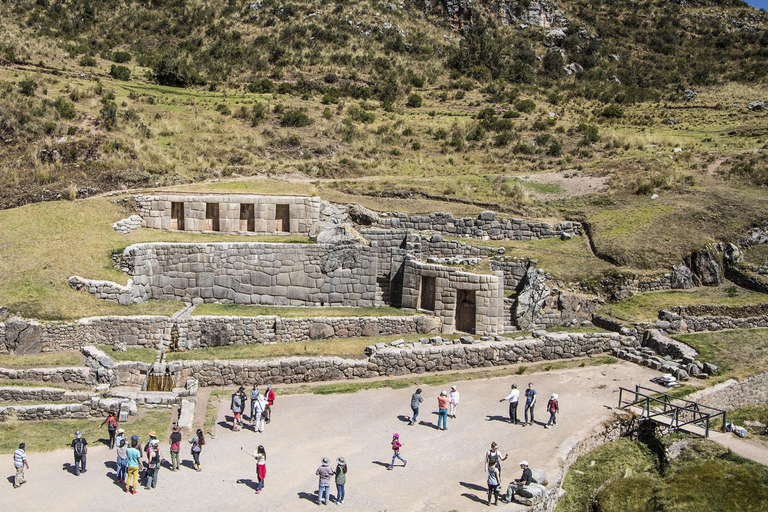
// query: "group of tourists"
[[553, 407], [261, 407], [447, 403], [324, 472], [493, 460]]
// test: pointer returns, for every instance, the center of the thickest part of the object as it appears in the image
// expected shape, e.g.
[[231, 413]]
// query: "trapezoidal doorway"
[[282, 218], [465, 311]]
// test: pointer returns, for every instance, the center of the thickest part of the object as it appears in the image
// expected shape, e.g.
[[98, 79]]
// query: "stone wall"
[[21, 394], [254, 273], [449, 283], [484, 226], [734, 394], [685, 322], [747, 278], [400, 361], [74, 375], [108, 290], [93, 407], [565, 308], [155, 211]]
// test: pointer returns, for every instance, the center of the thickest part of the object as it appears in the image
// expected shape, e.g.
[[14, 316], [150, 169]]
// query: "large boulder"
[[22, 337], [682, 277], [705, 265], [362, 215], [532, 298], [530, 495], [344, 234]]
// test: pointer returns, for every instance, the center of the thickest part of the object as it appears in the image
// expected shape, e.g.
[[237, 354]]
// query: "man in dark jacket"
[[520, 485], [238, 406], [80, 448]]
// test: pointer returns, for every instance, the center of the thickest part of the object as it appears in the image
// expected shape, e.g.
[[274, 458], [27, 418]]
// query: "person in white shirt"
[[20, 462], [453, 402], [513, 398]]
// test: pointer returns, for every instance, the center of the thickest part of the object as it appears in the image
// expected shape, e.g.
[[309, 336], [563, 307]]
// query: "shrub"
[[327, 114], [263, 86], [120, 72], [121, 57], [258, 113], [360, 115], [87, 61], [65, 109], [504, 138], [525, 106], [287, 88], [414, 101], [590, 133], [175, 72], [296, 118], [27, 87], [612, 112], [416, 145], [555, 148], [109, 115], [476, 133]]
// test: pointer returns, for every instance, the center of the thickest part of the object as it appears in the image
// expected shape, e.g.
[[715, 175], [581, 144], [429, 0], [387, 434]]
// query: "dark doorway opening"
[[212, 216], [465, 311], [427, 300], [177, 216], [247, 218], [283, 218]]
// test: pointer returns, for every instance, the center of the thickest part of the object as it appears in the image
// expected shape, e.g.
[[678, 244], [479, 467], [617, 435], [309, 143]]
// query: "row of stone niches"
[[247, 217]]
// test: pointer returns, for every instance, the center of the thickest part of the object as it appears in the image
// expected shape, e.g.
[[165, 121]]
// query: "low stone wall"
[[681, 323], [212, 331], [125, 226], [734, 394], [514, 270], [107, 290], [747, 279], [76, 375], [21, 394], [400, 361], [94, 407], [484, 226]]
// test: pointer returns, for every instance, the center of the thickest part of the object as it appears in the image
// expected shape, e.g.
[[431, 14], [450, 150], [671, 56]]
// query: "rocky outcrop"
[[531, 299], [539, 13], [706, 266]]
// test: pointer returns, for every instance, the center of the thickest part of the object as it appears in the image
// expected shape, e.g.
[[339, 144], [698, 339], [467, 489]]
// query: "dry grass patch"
[[47, 360], [737, 353], [294, 312]]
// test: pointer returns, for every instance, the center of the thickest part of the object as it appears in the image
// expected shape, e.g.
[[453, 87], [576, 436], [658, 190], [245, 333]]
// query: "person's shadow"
[[188, 464], [248, 482], [379, 463], [69, 467], [11, 479], [503, 419], [474, 497], [309, 497], [226, 424], [404, 418]]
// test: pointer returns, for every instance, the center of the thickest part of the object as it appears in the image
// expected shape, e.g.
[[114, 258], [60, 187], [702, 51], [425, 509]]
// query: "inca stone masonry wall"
[[243, 273], [94, 407], [20, 394], [75, 375], [734, 394], [155, 210], [488, 290], [485, 225], [400, 361], [203, 331], [696, 319]]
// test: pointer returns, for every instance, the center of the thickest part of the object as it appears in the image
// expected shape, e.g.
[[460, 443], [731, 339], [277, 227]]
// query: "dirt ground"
[[445, 468], [572, 183]]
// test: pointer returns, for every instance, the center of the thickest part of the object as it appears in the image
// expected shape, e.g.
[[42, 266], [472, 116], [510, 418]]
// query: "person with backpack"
[[324, 482], [197, 443], [396, 445], [122, 460], [260, 411], [175, 441], [19, 463], [111, 422], [133, 457], [238, 406], [554, 408], [80, 448], [147, 448], [341, 479], [261, 467], [493, 458], [416, 400], [270, 397], [153, 466], [254, 396]]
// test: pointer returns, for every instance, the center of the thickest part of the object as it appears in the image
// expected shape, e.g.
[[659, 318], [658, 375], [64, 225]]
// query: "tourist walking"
[[554, 408], [261, 467], [111, 422], [453, 402], [442, 411], [237, 406], [80, 449], [260, 409], [175, 442], [122, 460], [133, 455], [197, 443], [493, 458], [530, 403], [153, 466], [341, 479], [19, 463], [416, 400], [270, 396], [513, 398], [493, 485], [324, 482], [396, 445]]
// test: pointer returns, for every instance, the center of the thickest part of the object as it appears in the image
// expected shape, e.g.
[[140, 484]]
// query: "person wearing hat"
[[453, 402], [122, 458], [341, 479], [175, 442], [520, 485], [151, 443], [554, 408], [111, 422], [153, 465], [80, 449], [396, 445], [120, 435], [19, 463], [133, 456], [238, 406], [442, 411], [324, 483]]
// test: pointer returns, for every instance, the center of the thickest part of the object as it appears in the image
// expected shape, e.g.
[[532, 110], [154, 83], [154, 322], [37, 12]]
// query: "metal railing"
[[680, 412]]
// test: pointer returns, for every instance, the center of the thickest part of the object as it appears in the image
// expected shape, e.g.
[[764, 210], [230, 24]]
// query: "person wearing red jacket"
[[270, 395]]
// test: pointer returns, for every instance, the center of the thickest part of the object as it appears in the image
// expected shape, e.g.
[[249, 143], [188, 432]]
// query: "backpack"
[[112, 423], [79, 447]]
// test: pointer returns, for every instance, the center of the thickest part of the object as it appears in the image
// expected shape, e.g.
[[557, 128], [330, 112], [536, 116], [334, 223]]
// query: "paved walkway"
[[445, 468]]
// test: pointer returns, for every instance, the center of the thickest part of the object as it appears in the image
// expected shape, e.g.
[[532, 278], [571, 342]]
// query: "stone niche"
[[229, 213]]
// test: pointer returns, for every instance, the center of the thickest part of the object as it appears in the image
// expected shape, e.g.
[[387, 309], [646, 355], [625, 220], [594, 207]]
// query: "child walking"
[[554, 408], [396, 445]]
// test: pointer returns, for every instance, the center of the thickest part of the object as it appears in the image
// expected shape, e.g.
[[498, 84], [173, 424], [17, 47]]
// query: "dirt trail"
[[445, 468]]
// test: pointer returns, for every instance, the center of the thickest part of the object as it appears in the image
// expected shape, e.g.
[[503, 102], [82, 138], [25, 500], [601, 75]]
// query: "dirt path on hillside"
[[445, 468]]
